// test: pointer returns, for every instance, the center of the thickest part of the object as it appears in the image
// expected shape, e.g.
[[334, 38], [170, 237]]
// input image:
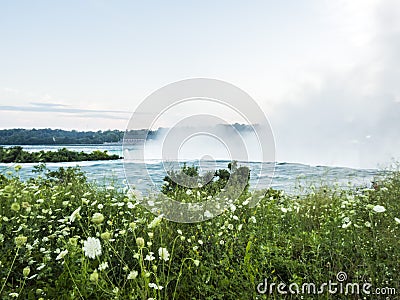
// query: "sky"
[[325, 73]]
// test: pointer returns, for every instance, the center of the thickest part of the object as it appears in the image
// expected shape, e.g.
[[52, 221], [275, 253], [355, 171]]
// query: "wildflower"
[[397, 220], [151, 234], [189, 192], [195, 248], [247, 201], [92, 247], [100, 206], [140, 242], [149, 256], [20, 240], [235, 218], [207, 214], [179, 232], [26, 271], [367, 224], [15, 206], [132, 226], [232, 207], [196, 262], [106, 236], [379, 208], [94, 277], [155, 286], [200, 242], [133, 274], [97, 218], [14, 295], [103, 266], [75, 215], [345, 225], [136, 256], [240, 227], [62, 254], [346, 220], [156, 221], [221, 242], [253, 219], [284, 210]]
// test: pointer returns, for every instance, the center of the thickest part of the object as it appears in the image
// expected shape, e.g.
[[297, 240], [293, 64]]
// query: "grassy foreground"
[[62, 237]]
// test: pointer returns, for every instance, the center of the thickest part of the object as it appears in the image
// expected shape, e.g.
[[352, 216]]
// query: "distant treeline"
[[57, 136], [65, 137], [18, 155]]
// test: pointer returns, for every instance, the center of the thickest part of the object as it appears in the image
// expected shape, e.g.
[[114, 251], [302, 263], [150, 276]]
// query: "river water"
[[289, 177]]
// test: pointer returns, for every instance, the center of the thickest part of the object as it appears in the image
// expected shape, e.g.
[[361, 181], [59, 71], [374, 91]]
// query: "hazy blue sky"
[[325, 72]]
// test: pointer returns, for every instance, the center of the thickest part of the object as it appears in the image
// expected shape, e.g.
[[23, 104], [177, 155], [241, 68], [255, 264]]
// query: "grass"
[[62, 237]]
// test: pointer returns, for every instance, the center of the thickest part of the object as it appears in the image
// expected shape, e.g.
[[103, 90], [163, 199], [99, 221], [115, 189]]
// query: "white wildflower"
[[149, 256], [133, 274], [379, 208], [156, 221], [92, 247], [163, 254], [253, 219], [345, 225], [103, 266], [207, 214], [75, 214], [155, 286], [62, 254]]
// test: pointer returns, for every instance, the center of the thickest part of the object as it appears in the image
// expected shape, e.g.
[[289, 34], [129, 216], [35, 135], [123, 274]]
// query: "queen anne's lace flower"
[[92, 247]]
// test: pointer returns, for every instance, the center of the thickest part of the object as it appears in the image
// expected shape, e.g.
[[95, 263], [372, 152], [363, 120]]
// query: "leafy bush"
[[18, 155]]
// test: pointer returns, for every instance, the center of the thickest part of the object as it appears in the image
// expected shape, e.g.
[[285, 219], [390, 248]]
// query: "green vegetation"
[[62, 237], [58, 137], [18, 155]]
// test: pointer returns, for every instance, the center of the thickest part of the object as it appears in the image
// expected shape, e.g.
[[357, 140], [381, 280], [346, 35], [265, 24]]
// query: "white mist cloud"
[[353, 116]]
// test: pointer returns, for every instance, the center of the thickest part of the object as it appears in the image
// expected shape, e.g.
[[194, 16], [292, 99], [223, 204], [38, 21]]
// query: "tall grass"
[[48, 223]]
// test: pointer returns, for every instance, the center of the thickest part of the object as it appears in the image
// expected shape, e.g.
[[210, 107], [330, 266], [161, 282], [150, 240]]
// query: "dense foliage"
[[16, 154], [62, 237], [57, 136], [176, 184]]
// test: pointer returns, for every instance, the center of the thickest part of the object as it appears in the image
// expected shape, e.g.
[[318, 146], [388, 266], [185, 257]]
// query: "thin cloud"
[[45, 104], [56, 108]]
